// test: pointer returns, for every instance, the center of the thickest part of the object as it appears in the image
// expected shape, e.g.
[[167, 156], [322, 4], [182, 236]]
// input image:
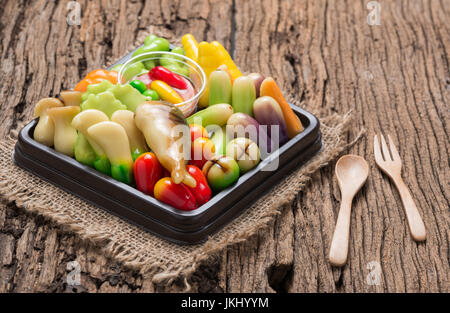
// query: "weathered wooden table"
[[331, 54]]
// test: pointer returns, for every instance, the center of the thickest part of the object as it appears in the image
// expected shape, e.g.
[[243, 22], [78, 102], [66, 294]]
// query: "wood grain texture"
[[395, 78]]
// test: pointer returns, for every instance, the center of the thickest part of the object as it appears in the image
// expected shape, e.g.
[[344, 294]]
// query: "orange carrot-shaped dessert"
[[269, 88]]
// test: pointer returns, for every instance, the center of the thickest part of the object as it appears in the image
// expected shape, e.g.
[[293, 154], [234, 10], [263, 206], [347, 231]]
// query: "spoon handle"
[[339, 244]]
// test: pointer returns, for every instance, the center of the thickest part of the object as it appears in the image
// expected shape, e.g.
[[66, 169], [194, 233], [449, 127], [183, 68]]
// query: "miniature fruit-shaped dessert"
[[219, 87], [112, 138], [221, 172], [167, 134], [65, 133], [71, 97], [177, 195], [217, 114], [147, 171], [220, 138], [244, 95], [137, 141], [44, 132], [293, 123], [268, 112], [245, 152], [201, 192], [202, 150], [197, 131], [82, 122]]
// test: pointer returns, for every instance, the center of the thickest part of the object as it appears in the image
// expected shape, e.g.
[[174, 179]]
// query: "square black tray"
[[147, 212], [186, 227]]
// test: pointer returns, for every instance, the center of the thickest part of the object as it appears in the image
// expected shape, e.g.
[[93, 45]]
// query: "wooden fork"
[[391, 164]]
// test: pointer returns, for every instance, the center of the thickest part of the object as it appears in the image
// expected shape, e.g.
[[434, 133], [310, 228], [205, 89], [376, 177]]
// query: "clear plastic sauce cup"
[[138, 65]]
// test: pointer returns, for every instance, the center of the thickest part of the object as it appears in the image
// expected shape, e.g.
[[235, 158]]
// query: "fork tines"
[[385, 154]]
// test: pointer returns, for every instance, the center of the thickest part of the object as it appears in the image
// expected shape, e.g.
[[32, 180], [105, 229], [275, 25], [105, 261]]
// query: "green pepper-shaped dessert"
[[135, 69], [153, 43], [175, 63]]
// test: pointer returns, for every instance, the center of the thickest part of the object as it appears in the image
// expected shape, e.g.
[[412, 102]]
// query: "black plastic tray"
[[187, 227], [147, 212]]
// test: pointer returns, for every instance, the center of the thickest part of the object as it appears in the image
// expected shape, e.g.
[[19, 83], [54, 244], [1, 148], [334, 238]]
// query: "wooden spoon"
[[351, 172]]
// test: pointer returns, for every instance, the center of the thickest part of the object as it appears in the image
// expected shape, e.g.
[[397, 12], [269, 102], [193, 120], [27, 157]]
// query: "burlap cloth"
[[153, 257]]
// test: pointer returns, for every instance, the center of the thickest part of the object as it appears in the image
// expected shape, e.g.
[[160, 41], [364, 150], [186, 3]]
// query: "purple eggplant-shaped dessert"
[[267, 111]]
